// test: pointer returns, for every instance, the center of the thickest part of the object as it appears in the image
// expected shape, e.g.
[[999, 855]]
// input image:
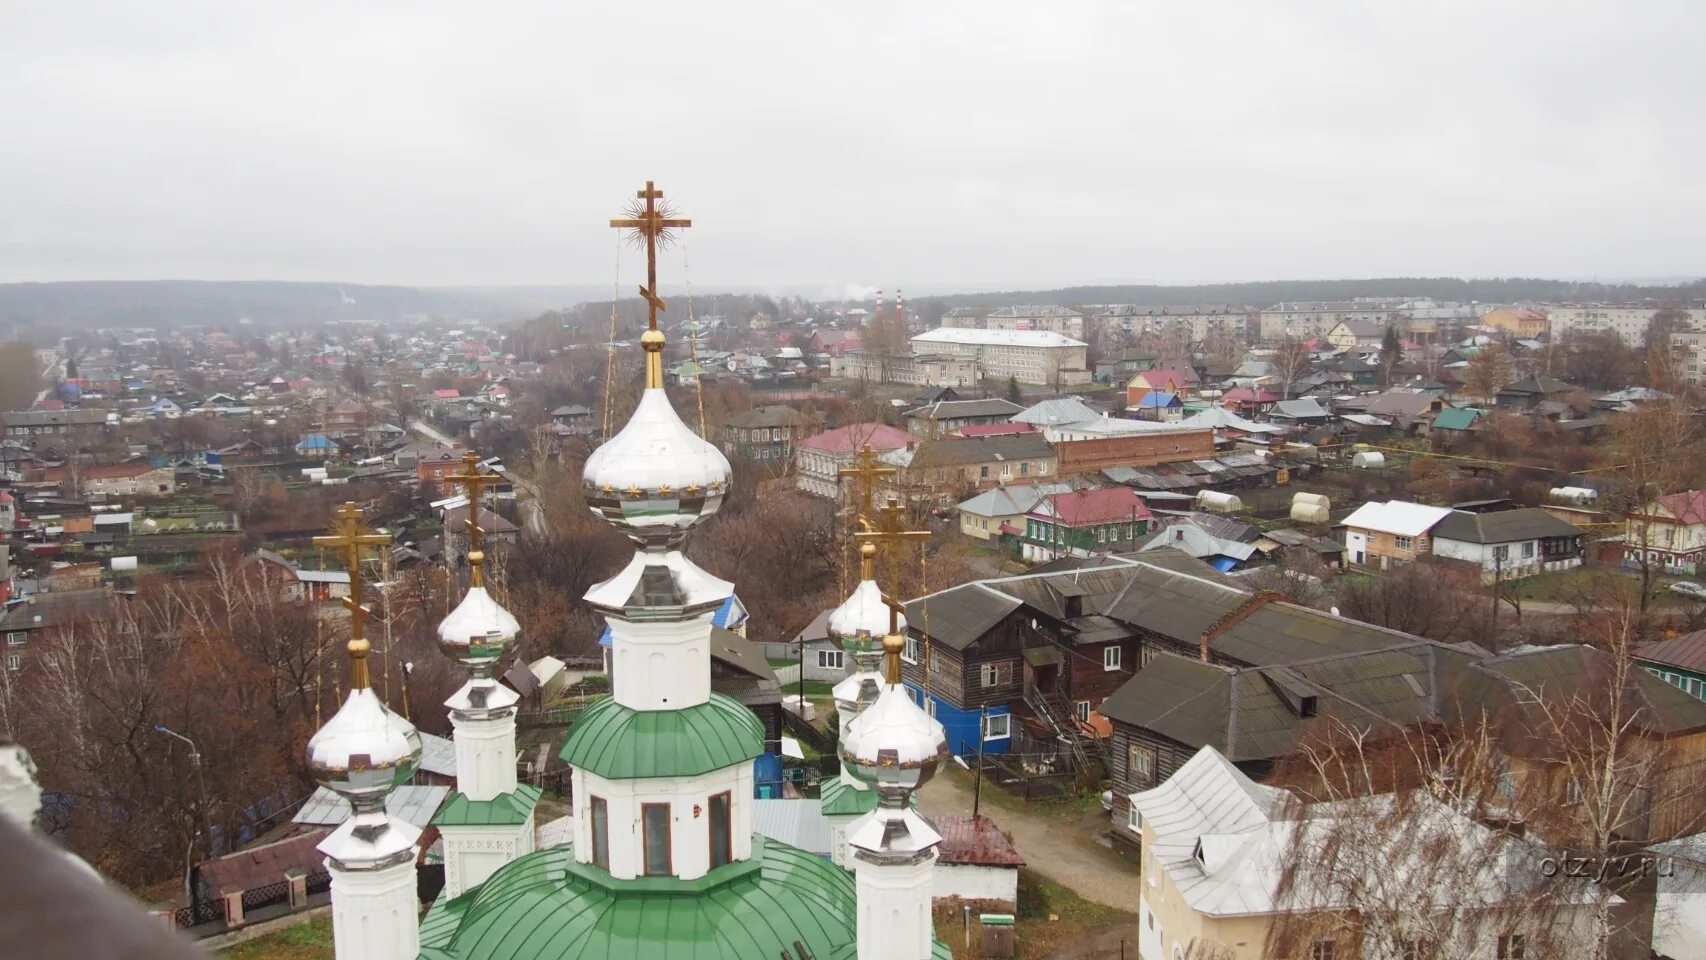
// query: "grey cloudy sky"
[[936, 145]]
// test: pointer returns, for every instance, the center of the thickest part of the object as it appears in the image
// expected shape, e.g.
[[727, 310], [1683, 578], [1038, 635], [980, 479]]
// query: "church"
[[663, 861]]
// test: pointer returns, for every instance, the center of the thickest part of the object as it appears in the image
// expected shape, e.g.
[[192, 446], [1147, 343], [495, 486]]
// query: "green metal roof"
[[835, 797], [545, 906], [620, 743], [508, 810], [1455, 418]]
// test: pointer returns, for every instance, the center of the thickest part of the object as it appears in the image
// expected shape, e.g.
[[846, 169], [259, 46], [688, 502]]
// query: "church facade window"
[[721, 829], [600, 833], [654, 827]]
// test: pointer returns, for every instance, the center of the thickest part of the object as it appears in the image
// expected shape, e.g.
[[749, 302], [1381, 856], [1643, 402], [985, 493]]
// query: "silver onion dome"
[[477, 632], [656, 478], [894, 745], [364, 751]]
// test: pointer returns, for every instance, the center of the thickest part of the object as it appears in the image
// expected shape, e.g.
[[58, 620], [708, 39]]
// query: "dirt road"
[[1055, 842]]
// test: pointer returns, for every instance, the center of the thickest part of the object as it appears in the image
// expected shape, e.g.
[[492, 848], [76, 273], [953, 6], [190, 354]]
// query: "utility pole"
[[977, 785], [201, 789]]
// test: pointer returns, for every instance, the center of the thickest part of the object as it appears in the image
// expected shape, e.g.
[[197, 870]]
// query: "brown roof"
[[974, 841], [1687, 652], [102, 471], [258, 866]]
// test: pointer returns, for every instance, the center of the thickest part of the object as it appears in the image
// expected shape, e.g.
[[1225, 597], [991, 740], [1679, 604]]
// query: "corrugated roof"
[[1502, 526], [410, 803], [264, 865], [1397, 517], [1687, 652], [798, 823], [974, 841], [620, 743], [959, 615]]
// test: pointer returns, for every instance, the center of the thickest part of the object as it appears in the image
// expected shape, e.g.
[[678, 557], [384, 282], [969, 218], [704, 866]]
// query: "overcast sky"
[[940, 145]]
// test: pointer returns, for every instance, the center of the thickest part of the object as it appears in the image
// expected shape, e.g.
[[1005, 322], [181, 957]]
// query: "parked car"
[[1691, 590]]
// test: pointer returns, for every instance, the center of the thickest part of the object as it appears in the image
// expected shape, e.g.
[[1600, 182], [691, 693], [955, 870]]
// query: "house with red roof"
[[1079, 523], [1249, 401], [1169, 379], [1670, 531], [819, 460]]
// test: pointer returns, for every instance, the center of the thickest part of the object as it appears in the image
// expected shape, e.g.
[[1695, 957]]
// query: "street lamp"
[[408, 670], [201, 787]]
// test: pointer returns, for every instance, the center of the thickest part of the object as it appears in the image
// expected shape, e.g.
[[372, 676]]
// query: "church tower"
[[489, 820], [362, 753], [896, 748], [859, 625]]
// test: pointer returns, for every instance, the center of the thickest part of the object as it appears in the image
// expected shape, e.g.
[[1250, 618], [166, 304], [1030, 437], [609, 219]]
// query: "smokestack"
[[900, 307], [879, 311]]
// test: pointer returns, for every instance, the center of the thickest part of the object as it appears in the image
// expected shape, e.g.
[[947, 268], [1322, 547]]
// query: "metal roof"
[[1503, 526], [412, 804], [1003, 338], [1687, 652], [973, 841], [1397, 517], [438, 755], [620, 743], [798, 823], [959, 615]]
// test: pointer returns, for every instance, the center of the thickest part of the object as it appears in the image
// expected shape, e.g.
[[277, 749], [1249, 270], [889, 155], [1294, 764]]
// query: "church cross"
[[891, 532], [653, 224], [348, 536], [865, 474], [472, 479]]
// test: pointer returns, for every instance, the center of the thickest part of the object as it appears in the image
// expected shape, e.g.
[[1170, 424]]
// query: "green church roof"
[[836, 797], [510, 809], [621, 743], [545, 906]]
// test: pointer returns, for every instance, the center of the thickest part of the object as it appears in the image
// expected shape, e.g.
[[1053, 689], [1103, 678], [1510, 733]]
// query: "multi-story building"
[[945, 417], [1523, 322], [1391, 533], [1062, 320], [945, 471], [1628, 321], [767, 434], [819, 460], [1671, 532], [75, 426], [1313, 318], [1197, 321], [1689, 348], [1082, 522], [926, 369], [1028, 356]]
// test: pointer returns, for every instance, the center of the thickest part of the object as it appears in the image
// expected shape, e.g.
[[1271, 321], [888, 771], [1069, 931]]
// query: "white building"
[[1062, 320], [1629, 322], [1509, 544], [1028, 356]]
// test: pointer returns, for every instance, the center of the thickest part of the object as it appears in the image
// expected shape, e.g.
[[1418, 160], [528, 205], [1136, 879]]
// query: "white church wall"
[[690, 825], [661, 665]]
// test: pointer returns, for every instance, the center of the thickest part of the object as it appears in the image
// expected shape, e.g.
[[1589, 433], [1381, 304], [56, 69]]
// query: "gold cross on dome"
[[651, 223], [471, 480], [890, 533], [348, 535], [866, 472]]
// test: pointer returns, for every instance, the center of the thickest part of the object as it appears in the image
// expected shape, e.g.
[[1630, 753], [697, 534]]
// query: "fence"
[[213, 911], [788, 675]]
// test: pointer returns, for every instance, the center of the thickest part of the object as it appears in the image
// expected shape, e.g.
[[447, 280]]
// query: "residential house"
[[1171, 379], [346, 421], [1671, 531], [1163, 406], [1249, 401], [1679, 661], [495, 527], [572, 414], [1122, 365], [111, 480], [1386, 534], [1453, 424], [1002, 510], [819, 460], [943, 471], [62, 426], [1357, 333], [1191, 536], [1528, 392], [1522, 322], [1084, 521], [27, 622], [1088, 442], [1303, 412], [316, 446], [433, 464], [1215, 848], [947, 417], [1508, 544], [767, 434]]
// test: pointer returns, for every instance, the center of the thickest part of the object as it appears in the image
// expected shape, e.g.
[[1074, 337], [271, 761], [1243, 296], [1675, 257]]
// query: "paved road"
[[1056, 844], [430, 432]]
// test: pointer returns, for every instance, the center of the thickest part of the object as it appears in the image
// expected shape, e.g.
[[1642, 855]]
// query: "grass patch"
[[1049, 918], [308, 941]]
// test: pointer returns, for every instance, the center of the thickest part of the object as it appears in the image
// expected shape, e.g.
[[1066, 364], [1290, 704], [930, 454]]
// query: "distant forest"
[[1494, 290]]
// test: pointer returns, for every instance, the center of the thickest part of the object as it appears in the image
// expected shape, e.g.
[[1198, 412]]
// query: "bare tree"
[[1661, 450], [1290, 362]]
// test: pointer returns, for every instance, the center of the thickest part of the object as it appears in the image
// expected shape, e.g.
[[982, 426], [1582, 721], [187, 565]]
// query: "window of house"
[[983, 472], [654, 831], [1110, 658], [1101, 534], [935, 662], [1502, 552], [600, 833], [1140, 764], [1081, 710], [16, 638], [1528, 548], [1024, 468], [909, 649], [831, 659], [1134, 820], [1402, 543], [14, 661], [722, 829], [997, 726], [991, 674], [1513, 946], [1323, 950]]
